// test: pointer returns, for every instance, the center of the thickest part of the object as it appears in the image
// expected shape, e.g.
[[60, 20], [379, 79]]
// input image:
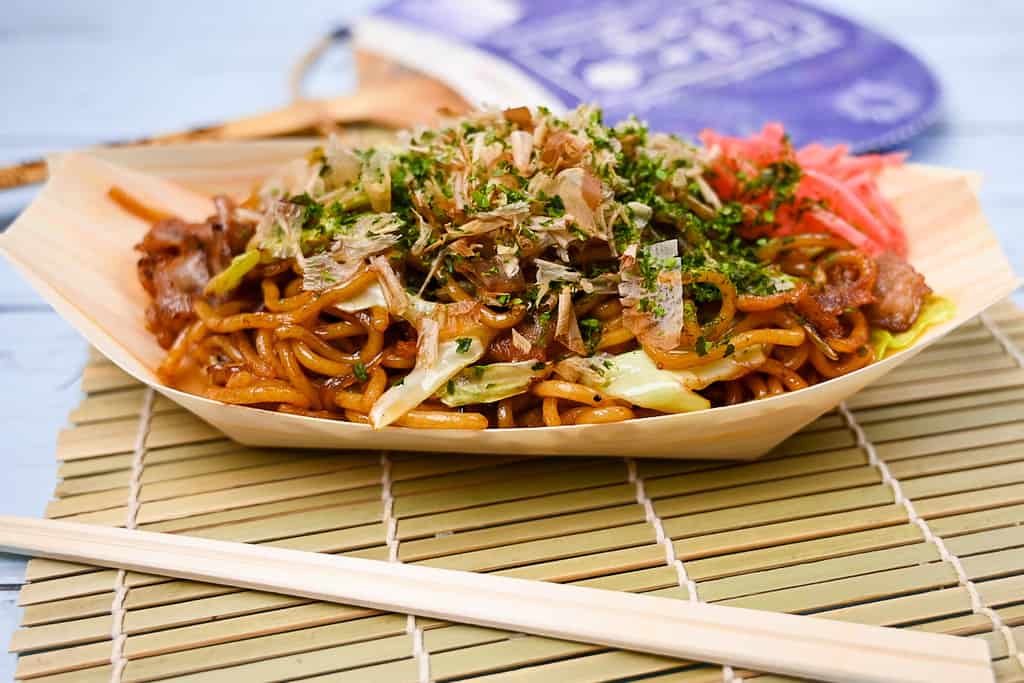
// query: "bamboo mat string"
[[1008, 344], [659, 530], [117, 609], [390, 523], [977, 606], [412, 628], [684, 580], [1014, 351]]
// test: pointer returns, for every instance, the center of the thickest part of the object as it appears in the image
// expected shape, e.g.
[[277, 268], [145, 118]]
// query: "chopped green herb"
[[359, 370], [590, 330], [462, 344], [701, 346], [555, 207]]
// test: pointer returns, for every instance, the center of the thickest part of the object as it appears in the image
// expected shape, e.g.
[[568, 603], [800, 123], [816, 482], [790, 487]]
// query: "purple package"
[[681, 65]]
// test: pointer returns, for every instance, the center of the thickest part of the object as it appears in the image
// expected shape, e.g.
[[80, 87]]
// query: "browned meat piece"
[[175, 281], [487, 274], [178, 260], [482, 266], [236, 233], [504, 350], [811, 308], [170, 234], [850, 279], [899, 292]]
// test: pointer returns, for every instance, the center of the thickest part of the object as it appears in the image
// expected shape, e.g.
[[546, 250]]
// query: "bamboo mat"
[[904, 508]]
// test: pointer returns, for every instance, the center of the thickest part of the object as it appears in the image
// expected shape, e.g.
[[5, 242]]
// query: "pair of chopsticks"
[[762, 641]]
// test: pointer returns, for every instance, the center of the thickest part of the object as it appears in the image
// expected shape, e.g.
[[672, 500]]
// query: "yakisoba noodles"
[[516, 269]]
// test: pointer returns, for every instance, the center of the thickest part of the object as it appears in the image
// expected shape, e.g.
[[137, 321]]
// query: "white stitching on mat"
[[390, 523], [117, 610], [728, 675], [1014, 351], [659, 530], [419, 651], [1008, 344], [977, 606]]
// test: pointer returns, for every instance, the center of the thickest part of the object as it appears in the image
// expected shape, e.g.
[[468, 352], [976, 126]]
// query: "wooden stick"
[[399, 103], [763, 641]]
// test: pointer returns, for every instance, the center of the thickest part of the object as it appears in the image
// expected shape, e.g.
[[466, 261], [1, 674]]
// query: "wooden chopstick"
[[800, 646], [399, 103]]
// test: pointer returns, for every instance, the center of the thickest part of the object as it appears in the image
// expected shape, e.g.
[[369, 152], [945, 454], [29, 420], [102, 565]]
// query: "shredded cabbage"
[[489, 383], [634, 377], [375, 177], [424, 380], [936, 310], [368, 298], [228, 279]]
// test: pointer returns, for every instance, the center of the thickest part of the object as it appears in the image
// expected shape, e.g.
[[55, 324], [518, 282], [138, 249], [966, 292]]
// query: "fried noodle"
[[508, 267]]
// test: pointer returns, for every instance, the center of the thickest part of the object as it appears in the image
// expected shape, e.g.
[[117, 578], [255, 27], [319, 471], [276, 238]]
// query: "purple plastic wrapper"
[[681, 65]]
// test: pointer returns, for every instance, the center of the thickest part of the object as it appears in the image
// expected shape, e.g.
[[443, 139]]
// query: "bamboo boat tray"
[[903, 508]]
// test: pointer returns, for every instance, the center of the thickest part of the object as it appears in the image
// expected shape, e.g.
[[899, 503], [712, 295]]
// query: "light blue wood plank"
[[12, 571], [10, 616], [110, 70], [39, 367], [15, 292]]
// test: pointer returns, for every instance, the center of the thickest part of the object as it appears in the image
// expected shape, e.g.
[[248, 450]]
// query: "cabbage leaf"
[[489, 383], [424, 381], [936, 310], [368, 298], [228, 279], [634, 377]]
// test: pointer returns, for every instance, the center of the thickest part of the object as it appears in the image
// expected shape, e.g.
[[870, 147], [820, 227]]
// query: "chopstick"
[[398, 103], [763, 641]]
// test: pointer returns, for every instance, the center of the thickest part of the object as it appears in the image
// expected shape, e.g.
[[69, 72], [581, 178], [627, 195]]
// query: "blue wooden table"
[[80, 73]]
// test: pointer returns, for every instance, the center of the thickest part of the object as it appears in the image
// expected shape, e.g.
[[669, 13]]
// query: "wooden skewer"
[[399, 103], [763, 641]]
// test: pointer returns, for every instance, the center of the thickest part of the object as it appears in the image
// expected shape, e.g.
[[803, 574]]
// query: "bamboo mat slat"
[[905, 508]]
